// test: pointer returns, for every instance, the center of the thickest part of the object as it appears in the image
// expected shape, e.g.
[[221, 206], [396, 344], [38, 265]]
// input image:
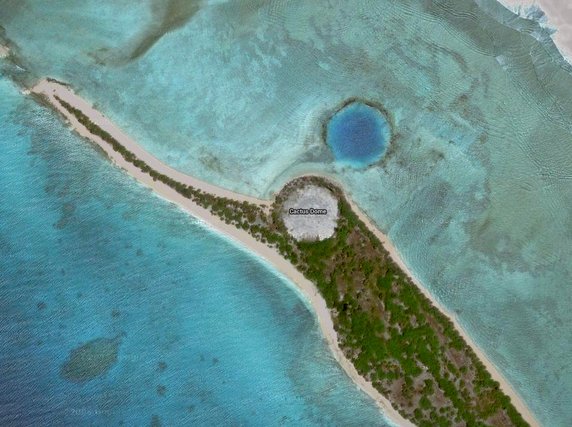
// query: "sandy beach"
[[559, 14], [50, 89]]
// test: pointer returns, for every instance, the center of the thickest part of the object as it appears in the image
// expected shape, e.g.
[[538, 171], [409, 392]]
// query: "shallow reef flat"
[[474, 189]]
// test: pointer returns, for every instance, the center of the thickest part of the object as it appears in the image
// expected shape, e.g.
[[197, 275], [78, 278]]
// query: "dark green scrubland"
[[391, 332]]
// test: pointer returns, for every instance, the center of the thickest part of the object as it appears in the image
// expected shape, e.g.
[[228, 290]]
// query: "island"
[[387, 332]]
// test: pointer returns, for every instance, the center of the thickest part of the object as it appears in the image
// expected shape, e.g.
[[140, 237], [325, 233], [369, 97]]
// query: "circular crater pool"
[[358, 134]]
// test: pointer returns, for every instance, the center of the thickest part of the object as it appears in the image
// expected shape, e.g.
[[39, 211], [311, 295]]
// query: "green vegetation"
[[392, 333]]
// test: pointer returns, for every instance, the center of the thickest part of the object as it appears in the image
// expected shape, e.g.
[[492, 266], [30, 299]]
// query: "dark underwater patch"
[[167, 17], [91, 360]]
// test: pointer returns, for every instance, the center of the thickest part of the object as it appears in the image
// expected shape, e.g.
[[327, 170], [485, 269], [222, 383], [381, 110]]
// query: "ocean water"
[[358, 135], [117, 308], [475, 190]]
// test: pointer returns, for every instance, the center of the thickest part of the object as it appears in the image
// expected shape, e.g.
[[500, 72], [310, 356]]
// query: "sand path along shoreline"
[[49, 89]]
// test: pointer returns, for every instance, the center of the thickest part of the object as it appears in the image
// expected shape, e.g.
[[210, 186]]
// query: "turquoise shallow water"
[[475, 190], [205, 333]]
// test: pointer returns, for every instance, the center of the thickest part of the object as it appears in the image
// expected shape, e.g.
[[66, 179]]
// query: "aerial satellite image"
[[286, 213]]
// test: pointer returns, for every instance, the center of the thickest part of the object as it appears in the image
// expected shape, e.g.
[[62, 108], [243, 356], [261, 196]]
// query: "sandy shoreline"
[[50, 89], [559, 15]]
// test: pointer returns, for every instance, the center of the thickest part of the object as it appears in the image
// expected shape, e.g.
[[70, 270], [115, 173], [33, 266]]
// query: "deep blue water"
[[358, 134], [208, 334]]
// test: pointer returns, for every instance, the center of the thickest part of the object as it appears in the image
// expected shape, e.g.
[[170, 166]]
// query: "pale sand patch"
[[308, 289], [311, 226], [559, 15], [4, 51]]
